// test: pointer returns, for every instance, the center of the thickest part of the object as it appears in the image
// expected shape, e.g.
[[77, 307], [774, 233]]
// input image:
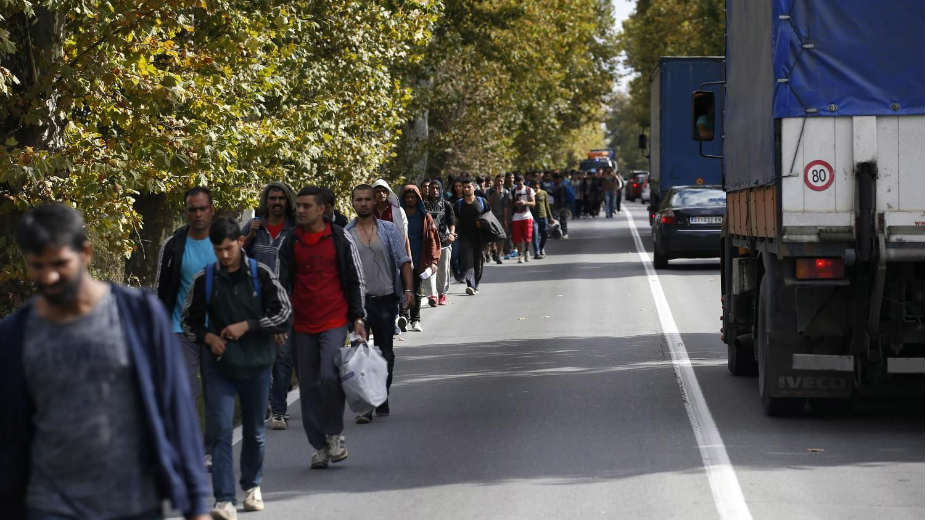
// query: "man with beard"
[[184, 254], [442, 213], [387, 271], [263, 237], [96, 411], [321, 270]]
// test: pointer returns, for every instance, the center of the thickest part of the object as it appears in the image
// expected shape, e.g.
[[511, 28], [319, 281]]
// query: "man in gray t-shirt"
[[81, 378]]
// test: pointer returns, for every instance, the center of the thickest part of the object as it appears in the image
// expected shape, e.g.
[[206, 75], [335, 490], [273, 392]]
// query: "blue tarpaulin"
[[848, 57]]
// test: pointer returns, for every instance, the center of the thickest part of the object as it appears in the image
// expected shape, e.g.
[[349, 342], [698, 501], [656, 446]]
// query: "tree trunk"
[[159, 222]]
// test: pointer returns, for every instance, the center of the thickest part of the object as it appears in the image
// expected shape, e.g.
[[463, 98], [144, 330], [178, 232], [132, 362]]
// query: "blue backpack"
[[210, 274], [481, 200]]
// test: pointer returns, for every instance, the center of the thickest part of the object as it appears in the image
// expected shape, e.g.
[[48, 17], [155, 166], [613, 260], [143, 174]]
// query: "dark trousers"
[[471, 261], [619, 197], [282, 378], [416, 303], [380, 318], [252, 395], [542, 224], [315, 357], [563, 220]]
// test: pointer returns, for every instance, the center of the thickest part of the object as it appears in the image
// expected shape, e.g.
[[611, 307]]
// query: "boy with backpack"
[[237, 308]]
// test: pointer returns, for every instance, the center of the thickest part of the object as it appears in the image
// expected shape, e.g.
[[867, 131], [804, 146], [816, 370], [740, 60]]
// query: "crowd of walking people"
[[236, 310]]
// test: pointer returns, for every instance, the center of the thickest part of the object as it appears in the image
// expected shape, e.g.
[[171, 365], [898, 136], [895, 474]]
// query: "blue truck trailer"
[[823, 264], [674, 158]]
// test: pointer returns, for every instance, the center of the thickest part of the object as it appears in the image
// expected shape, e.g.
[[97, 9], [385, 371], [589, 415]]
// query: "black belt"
[[375, 298]]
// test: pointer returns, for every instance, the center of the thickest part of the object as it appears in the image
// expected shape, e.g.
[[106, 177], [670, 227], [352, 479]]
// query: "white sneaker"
[[402, 323], [278, 422], [320, 459], [416, 326], [208, 462], [470, 291], [224, 511], [337, 451], [253, 501]]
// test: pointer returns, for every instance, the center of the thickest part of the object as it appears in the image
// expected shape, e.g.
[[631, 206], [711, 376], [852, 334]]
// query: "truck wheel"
[[741, 357], [773, 406]]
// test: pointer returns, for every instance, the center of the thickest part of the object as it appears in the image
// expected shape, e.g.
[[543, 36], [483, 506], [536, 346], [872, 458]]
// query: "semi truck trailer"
[[823, 265]]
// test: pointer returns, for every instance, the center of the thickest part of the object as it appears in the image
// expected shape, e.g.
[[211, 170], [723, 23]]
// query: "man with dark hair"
[[562, 197], [330, 211], [97, 420], [263, 236], [321, 270], [468, 210], [444, 216], [183, 255], [387, 271], [522, 219], [239, 309], [425, 246], [499, 199]]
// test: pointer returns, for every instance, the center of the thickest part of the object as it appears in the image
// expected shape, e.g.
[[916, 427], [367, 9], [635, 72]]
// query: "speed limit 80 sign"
[[818, 175]]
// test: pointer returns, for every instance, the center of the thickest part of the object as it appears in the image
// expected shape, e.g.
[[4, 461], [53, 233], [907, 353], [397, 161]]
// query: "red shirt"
[[385, 215], [318, 302], [275, 230]]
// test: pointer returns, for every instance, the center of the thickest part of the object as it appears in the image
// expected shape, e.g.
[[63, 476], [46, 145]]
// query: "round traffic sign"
[[818, 175]]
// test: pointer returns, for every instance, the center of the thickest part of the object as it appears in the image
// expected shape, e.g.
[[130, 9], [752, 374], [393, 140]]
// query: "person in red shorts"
[[320, 268], [522, 219]]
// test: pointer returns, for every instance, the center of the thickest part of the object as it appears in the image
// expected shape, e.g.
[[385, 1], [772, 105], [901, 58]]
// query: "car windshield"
[[698, 197]]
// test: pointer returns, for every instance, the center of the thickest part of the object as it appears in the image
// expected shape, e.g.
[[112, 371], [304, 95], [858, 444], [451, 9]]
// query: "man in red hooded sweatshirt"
[[424, 239]]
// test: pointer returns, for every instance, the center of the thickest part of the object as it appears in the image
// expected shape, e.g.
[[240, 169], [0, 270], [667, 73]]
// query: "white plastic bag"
[[363, 374]]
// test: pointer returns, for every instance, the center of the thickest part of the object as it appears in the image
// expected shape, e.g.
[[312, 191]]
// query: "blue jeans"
[[282, 378], [610, 199], [252, 393], [536, 237], [542, 229]]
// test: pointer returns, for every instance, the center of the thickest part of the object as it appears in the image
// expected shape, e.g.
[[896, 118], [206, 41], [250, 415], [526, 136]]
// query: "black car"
[[688, 223]]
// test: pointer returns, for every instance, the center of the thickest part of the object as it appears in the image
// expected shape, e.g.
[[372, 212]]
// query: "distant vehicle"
[[674, 158], [635, 184], [688, 223], [599, 159]]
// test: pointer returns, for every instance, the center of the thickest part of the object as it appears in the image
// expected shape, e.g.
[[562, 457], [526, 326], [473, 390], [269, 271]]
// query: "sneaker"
[[470, 291], [543, 251], [224, 511], [365, 418], [320, 458], [336, 449], [432, 301], [402, 323], [416, 326], [383, 410], [279, 422], [498, 261], [442, 300], [253, 501], [526, 257], [540, 256], [565, 236], [208, 462], [520, 260]]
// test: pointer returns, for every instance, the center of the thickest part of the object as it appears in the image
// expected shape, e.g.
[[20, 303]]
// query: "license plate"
[[706, 220]]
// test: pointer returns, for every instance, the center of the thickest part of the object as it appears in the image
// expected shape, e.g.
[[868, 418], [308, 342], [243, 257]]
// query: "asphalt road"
[[552, 394]]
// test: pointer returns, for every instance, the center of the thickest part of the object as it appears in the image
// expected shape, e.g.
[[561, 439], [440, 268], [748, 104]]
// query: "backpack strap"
[[254, 279]]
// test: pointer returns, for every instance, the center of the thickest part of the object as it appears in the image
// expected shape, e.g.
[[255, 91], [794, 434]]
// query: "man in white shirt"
[[522, 219]]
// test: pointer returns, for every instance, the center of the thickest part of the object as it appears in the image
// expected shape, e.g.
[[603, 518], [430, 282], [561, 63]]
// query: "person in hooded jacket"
[[424, 239], [263, 236]]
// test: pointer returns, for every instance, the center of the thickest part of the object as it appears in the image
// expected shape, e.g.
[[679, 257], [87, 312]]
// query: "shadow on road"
[[570, 410]]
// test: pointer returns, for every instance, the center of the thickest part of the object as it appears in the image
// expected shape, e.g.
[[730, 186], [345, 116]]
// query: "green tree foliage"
[[510, 82], [103, 101], [668, 28], [623, 132]]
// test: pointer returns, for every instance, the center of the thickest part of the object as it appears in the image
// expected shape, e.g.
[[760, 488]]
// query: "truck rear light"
[[668, 218], [820, 268]]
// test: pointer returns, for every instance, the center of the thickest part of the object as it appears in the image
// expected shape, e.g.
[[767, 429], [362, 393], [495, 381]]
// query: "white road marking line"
[[727, 494], [238, 434]]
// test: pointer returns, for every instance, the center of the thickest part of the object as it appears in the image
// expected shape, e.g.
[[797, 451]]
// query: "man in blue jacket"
[[96, 419]]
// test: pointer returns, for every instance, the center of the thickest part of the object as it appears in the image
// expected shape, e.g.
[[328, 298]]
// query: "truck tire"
[[741, 357], [773, 406]]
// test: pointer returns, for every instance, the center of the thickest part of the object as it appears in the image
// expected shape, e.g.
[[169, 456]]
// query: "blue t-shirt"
[[416, 234], [196, 256]]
